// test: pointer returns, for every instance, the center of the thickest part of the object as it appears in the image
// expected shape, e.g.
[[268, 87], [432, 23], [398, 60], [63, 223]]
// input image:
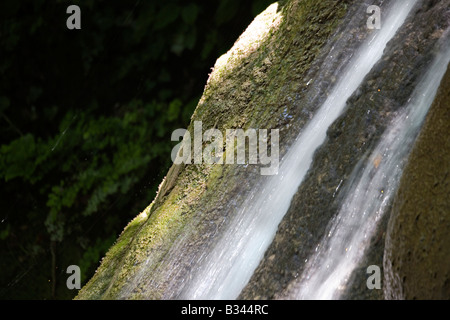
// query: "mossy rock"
[[251, 86]]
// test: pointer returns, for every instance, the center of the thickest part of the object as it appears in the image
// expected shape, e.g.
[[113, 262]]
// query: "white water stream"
[[227, 268], [368, 195]]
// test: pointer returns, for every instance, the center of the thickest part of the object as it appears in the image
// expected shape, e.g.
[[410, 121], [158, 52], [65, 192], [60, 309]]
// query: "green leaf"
[[174, 109], [18, 158], [166, 16], [226, 11], [5, 232], [190, 13]]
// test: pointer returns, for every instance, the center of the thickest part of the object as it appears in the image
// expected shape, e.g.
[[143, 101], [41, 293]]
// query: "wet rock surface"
[[417, 252], [277, 82], [254, 85], [386, 89]]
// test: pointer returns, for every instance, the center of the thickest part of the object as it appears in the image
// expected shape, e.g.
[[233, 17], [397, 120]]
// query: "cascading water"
[[369, 194], [226, 269]]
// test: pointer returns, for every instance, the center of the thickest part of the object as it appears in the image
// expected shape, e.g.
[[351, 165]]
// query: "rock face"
[[386, 89], [417, 251], [275, 76], [259, 83]]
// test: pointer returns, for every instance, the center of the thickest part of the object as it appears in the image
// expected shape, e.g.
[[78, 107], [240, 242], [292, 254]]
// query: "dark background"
[[85, 120]]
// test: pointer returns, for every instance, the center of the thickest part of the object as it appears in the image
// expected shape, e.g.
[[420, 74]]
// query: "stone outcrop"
[[257, 84], [385, 90], [417, 251], [275, 76]]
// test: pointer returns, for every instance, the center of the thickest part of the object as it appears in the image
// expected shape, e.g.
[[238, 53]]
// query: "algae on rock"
[[275, 76], [252, 86]]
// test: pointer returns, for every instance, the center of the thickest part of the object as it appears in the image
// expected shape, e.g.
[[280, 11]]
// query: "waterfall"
[[368, 195], [226, 269]]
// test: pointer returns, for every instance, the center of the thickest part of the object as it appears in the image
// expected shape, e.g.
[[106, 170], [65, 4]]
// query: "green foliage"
[[94, 158]]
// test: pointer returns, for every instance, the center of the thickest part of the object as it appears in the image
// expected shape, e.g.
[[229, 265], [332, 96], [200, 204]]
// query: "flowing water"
[[226, 269], [369, 194]]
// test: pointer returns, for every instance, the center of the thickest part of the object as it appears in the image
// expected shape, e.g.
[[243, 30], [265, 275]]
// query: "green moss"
[[97, 286], [248, 88]]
